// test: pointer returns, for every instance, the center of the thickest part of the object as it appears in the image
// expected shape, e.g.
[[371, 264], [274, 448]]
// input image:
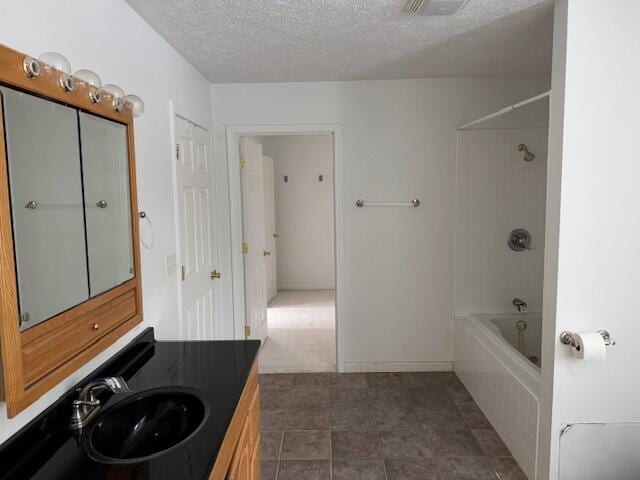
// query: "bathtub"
[[496, 361], [523, 332]]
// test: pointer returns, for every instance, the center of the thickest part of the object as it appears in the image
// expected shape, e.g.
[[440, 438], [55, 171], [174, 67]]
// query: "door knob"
[[266, 253], [215, 274]]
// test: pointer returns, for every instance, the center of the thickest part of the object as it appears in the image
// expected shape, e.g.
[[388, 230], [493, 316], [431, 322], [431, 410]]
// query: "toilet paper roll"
[[589, 346]]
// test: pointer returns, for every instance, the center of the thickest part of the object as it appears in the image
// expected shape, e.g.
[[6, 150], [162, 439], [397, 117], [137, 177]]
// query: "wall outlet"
[[170, 264]]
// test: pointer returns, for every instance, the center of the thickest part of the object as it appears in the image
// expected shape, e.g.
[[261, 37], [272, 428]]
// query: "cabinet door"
[[253, 440], [254, 461], [46, 204], [105, 168], [241, 467]]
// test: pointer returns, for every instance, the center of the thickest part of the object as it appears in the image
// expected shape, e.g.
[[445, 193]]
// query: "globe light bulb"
[[88, 77], [56, 60], [137, 105]]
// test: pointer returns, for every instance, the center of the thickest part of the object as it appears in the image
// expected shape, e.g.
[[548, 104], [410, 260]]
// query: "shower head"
[[528, 156]]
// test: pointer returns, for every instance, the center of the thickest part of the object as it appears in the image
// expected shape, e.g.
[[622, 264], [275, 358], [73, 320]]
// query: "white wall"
[[591, 271], [111, 39], [396, 307], [304, 210], [498, 191]]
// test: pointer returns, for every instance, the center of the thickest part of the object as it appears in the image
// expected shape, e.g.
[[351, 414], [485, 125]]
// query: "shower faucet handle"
[[519, 240]]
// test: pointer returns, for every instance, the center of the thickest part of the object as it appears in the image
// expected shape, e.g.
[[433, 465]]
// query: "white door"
[[270, 227], [253, 231], [195, 205]]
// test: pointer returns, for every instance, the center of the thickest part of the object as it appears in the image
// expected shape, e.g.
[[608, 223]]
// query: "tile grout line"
[[279, 454], [330, 428], [330, 439], [373, 418], [286, 412]]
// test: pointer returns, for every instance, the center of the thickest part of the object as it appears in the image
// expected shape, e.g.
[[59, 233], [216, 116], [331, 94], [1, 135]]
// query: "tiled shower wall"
[[498, 191]]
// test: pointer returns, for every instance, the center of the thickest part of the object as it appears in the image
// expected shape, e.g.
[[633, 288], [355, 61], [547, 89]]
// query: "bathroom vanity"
[[222, 375]]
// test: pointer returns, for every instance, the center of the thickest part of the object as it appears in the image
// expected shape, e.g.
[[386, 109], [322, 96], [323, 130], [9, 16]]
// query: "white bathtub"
[[527, 341], [502, 381]]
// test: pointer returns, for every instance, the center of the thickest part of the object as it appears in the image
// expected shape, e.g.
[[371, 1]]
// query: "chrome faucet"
[[520, 305], [87, 405]]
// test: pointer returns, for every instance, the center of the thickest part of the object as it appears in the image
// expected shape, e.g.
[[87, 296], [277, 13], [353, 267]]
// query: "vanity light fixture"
[[56, 61], [59, 62], [118, 96], [31, 67], [137, 105], [93, 80]]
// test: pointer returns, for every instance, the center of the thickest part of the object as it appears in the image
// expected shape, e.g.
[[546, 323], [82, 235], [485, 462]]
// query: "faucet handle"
[[117, 384], [113, 384], [89, 403]]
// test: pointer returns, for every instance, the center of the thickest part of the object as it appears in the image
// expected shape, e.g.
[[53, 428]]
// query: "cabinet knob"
[[215, 274], [95, 327], [266, 253]]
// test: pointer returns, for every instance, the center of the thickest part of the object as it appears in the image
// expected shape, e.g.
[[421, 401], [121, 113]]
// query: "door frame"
[[178, 110], [233, 134], [274, 250]]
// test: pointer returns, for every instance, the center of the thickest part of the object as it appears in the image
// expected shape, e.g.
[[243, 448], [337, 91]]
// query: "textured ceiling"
[[306, 40]]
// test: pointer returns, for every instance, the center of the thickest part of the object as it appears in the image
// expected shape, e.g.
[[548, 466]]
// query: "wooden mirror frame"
[[37, 359]]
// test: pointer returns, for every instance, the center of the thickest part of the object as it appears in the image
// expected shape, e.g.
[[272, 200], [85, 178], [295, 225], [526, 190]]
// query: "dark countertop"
[[45, 449]]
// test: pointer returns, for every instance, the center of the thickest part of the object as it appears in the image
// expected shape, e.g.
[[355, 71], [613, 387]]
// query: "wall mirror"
[[45, 181], [69, 187], [105, 166], [70, 282]]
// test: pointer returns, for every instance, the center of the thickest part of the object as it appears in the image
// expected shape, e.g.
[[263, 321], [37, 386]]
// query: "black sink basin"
[[145, 425]]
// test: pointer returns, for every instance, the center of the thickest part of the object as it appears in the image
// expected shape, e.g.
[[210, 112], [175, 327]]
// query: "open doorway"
[[288, 226]]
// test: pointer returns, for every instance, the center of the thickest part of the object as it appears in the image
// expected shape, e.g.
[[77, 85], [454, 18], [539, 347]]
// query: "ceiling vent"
[[434, 8]]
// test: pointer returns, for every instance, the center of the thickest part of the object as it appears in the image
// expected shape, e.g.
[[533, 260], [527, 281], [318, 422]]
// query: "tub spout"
[[520, 305]]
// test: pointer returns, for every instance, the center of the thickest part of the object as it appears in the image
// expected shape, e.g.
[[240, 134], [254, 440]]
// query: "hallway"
[[301, 329]]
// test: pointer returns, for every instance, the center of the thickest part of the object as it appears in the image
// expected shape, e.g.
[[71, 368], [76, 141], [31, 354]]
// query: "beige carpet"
[[301, 329]]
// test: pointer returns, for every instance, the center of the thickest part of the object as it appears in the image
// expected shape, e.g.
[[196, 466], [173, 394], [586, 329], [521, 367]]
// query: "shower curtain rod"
[[508, 109]]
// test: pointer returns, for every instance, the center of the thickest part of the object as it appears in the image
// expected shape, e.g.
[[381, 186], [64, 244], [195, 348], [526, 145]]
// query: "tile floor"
[[377, 426], [301, 329]]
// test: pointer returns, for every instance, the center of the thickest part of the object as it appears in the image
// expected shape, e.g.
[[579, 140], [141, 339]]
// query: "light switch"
[[170, 264]]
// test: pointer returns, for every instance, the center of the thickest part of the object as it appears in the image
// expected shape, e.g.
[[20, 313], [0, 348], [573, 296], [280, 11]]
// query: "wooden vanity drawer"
[[42, 353]]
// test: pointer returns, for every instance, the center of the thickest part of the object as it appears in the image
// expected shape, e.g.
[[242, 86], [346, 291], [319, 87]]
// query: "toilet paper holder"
[[566, 338]]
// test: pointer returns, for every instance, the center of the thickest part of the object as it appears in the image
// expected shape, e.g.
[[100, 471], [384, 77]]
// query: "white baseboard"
[[305, 288], [356, 367], [361, 367], [288, 369]]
